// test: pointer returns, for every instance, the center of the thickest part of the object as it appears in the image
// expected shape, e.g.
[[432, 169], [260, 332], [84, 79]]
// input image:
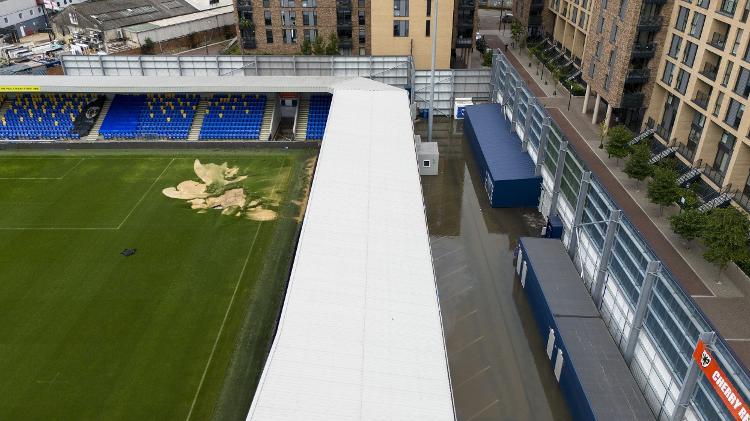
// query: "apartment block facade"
[[609, 44], [363, 27], [699, 99]]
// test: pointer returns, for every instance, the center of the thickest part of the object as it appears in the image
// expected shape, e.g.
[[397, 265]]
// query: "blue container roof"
[[500, 145]]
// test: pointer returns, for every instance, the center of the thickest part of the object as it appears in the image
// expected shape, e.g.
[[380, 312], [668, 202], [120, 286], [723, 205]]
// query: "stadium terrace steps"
[[94, 134], [200, 114], [42, 116], [233, 117], [164, 116], [320, 105], [303, 113], [265, 128]]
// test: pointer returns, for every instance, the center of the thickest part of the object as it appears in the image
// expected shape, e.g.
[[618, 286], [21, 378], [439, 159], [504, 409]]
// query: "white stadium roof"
[[360, 334]]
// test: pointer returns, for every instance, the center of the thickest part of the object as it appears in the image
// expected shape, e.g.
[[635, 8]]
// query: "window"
[[745, 11], [704, 3], [288, 17], [361, 17], [742, 87], [598, 51], [361, 4], [400, 28], [269, 36], [681, 19], [613, 34], [674, 47], [623, 8], [362, 51], [362, 36], [592, 69], [688, 56], [668, 73], [683, 77], [267, 17], [612, 57], [606, 81], [400, 8], [427, 28], [309, 18], [734, 113], [73, 18], [290, 36], [737, 38], [696, 25], [287, 3], [266, 3], [600, 24], [309, 3], [429, 7], [717, 104], [724, 152], [727, 74], [604, 4], [310, 34], [728, 7], [426, 163]]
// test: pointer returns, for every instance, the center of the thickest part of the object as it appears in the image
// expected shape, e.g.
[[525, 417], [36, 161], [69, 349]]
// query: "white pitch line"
[[146, 193], [226, 314], [57, 229], [72, 168]]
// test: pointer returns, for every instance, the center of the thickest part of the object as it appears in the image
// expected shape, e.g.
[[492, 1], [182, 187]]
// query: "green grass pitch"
[[178, 331]]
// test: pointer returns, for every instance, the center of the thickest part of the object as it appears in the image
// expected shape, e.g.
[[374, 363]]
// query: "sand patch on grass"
[[217, 192]]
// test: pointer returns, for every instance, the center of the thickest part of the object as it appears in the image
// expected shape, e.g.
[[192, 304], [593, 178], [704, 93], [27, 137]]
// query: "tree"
[[517, 32], [148, 46], [556, 75], [482, 45], [637, 166], [602, 134], [332, 48], [663, 189], [319, 46], [487, 59], [617, 142], [306, 47], [689, 199], [725, 237], [689, 224]]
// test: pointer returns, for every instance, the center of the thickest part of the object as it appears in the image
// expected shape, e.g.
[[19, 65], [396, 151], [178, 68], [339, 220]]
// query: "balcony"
[[646, 50], [632, 100], [637, 76], [701, 99], [650, 23], [710, 71], [685, 151], [742, 199], [713, 174], [464, 42], [718, 41]]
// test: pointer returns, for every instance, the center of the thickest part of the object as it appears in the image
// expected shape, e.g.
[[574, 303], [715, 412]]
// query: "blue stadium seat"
[[233, 116], [42, 116], [320, 105], [150, 116]]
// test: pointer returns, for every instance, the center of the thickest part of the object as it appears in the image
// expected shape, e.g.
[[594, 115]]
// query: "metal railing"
[[713, 174], [718, 41], [684, 150], [742, 199], [710, 71], [701, 99]]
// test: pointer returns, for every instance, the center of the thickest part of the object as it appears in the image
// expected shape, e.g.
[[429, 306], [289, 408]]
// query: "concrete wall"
[[416, 44]]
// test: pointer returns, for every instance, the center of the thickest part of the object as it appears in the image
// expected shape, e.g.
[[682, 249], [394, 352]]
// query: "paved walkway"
[[726, 303]]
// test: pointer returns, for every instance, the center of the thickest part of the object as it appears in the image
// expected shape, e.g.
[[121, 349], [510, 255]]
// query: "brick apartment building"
[[363, 27]]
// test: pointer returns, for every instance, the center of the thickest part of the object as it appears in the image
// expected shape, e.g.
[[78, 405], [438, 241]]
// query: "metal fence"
[[392, 70], [658, 341]]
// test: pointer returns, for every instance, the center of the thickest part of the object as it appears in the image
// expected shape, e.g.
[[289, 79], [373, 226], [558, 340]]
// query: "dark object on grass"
[[128, 252]]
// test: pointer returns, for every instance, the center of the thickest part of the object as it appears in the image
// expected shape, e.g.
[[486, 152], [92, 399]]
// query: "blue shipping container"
[[507, 170], [593, 376]]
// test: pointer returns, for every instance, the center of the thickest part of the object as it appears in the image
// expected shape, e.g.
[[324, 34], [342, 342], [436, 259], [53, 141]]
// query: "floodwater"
[[499, 369]]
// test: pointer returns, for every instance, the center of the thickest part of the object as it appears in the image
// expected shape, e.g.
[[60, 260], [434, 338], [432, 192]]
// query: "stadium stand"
[[233, 117], [318, 116], [163, 116], [42, 117]]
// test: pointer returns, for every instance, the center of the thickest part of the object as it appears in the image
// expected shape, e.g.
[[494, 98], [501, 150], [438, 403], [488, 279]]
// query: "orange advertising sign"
[[720, 382]]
